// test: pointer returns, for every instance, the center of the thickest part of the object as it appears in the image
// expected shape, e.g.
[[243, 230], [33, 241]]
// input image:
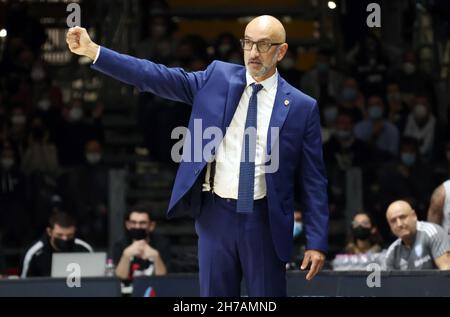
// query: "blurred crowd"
[[382, 138]]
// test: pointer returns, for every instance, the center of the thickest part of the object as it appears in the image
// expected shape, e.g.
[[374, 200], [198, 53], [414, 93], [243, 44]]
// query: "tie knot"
[[256, 88]]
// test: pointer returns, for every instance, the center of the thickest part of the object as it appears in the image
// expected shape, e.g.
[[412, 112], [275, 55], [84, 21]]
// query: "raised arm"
[[169, 83]]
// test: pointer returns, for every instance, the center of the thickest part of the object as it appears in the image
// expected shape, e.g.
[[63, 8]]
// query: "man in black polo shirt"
[[140, 252], [60, 237]]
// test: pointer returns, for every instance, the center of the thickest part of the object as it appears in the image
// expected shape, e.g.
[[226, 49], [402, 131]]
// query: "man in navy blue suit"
[[240, 190]]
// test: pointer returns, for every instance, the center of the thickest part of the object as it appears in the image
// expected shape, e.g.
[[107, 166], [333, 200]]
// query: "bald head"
[[402, 219], [399, 205], [267, 26]]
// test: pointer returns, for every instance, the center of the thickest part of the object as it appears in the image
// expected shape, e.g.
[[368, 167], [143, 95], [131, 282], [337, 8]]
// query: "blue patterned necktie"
[[247, 167]]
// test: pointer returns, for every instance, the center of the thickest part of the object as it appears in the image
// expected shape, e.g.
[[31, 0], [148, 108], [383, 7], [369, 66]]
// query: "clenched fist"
[[80, 43]]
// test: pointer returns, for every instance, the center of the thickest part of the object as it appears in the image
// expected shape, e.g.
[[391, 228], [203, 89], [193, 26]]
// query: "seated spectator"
[[408, 177], [140, 251], [421, 125], [351, 99], [364, 237], [41, 155], [14, 220], [323, 81], [329, 114], [439, 210], [397, 109], [420, 245], [60, 237], [376, 130], [85, 190]]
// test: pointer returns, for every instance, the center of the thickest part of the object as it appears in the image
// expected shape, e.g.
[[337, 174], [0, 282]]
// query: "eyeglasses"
[[262, 46]]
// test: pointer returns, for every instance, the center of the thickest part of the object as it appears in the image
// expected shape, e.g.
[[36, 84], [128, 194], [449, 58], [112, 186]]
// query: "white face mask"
[[93, 158], [75, 114]]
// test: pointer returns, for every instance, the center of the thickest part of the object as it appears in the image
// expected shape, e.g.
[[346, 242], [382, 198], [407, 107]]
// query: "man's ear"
[[152, 226], [49, 231], [282, 51]]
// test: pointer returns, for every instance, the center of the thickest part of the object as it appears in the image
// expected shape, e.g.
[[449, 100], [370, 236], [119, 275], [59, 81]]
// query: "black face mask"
[[64, 245], [137, 234], [361, 233]]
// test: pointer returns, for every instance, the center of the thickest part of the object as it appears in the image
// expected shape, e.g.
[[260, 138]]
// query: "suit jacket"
[[214, 95]]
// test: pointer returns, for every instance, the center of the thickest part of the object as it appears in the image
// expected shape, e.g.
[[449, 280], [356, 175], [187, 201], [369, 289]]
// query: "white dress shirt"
[[228, 158]]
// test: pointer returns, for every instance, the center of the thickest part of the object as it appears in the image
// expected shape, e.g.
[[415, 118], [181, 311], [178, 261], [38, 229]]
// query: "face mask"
[[7, 163], [408, 158], [298, 228], [375, 112], [137, 234], [349, 94], [420, 111], [409, 68], [287, 63], [93, 158], [76, 113], [330, 114], [343, 135], [18, 119], [322, 67], [361, 233], [64, 245], [394, 97], [44, 104]]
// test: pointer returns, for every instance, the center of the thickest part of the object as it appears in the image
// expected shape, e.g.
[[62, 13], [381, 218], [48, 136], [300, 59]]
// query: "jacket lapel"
[[235, 91], [280, 111]]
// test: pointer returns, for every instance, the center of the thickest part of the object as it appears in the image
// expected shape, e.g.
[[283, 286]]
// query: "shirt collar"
[[267, 83]]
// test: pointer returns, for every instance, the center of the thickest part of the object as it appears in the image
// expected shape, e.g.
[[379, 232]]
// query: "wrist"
[[92, 50]]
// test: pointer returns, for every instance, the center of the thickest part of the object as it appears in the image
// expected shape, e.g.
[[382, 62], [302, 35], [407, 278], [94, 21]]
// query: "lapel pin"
[[286, 102]]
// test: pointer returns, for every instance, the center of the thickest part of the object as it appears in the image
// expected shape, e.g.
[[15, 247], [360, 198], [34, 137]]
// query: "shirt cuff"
[[98, 54]]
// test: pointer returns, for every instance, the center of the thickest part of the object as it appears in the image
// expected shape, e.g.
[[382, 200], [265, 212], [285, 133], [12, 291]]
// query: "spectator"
[[408, 177], [421, 125], [364, 237], [225, 45], [397, 109], [323, 81], [439, 210], [376, 130], [59, 237], [75, 130], [40, 155], [420, 245], [14, 221], [351, 99], [329, 114], [288, 67], [141, 251], [342, 153], [85, 190]]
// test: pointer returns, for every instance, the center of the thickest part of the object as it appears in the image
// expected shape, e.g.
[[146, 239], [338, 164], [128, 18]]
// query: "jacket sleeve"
[[169, 83], [313, 182]]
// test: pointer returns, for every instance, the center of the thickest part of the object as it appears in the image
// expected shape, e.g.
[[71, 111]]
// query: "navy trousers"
[[232, 246]]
